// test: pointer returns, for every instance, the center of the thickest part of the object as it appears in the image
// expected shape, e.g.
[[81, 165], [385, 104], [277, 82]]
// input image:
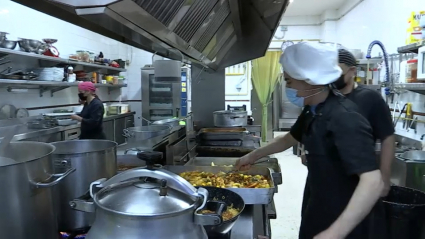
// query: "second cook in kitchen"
[[345, 180], [91, 117]]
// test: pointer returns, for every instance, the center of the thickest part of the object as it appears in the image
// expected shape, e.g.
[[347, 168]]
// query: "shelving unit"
[[45, 86], [48, 61], [414, 87], [411, 48]]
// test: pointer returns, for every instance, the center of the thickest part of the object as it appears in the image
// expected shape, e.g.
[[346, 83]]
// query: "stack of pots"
[[92, 159], [27, 209]]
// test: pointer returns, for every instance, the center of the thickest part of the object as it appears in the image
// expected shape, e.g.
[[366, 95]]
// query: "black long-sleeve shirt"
[[91, 125]]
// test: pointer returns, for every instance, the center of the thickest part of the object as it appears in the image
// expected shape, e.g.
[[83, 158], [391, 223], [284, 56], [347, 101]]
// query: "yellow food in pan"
[[227, 215], [225, 180]]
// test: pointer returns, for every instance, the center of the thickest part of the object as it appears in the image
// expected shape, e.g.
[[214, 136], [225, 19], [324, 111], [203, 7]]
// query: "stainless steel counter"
[[25, 133]]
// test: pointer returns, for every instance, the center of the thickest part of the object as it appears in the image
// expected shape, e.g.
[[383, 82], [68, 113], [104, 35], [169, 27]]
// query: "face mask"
[[340, 83], [82, 97], [291, 94]]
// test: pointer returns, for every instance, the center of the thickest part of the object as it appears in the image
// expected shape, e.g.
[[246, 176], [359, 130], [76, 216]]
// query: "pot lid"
[[229, 112], [144, 198]]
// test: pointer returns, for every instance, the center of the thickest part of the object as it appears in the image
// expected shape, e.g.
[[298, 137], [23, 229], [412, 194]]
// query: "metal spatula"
[[258, 162]]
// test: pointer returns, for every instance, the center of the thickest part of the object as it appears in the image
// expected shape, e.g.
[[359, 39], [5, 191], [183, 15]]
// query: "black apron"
[[321, 209]]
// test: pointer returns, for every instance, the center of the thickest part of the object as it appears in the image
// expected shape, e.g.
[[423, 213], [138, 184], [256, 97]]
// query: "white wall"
[[24, 22], [296, 33], [235, 98], [377, 20]]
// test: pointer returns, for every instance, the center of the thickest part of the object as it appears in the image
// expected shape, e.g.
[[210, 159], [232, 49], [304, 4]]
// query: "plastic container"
[[412, 71], [405, 209], [403, 70]]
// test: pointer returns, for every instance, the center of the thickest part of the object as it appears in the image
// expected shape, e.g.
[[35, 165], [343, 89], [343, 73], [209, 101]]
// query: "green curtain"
[[265, 77]]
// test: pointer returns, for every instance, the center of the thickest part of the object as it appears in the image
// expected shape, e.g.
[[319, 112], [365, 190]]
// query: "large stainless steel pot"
[[415, 155], [26, 199], [229, 118], [137, 134], [93, 159], [166, 206]]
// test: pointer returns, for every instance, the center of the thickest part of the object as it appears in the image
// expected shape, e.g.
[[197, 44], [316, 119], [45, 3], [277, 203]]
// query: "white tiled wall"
[[24, 22]]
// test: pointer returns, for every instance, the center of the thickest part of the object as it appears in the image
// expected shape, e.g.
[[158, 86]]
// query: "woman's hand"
[[76, 117]]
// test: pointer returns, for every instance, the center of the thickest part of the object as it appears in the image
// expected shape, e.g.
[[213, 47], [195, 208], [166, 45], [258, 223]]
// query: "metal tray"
[[229, 143], [249, 195], [271, 163], [236, 133], [222, 151]]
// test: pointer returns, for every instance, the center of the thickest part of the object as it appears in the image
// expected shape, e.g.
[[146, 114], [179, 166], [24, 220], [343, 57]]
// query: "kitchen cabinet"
[[108, 129], [48, 138], [55, 137], [119, 130]]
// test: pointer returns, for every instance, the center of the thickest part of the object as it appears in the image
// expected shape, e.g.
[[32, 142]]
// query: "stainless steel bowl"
[[30, 45], [8, 44]]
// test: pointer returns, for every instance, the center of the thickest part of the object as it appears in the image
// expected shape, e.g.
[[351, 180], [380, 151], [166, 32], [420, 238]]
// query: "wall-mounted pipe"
[[387, 66], [388, 78]]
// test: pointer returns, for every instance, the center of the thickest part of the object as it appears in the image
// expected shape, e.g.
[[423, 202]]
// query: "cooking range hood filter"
[[167, 71]]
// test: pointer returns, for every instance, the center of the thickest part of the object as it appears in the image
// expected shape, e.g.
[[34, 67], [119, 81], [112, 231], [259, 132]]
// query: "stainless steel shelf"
[[58, 60], [371, 61], [52, 86], [411, 48], [415, 87]]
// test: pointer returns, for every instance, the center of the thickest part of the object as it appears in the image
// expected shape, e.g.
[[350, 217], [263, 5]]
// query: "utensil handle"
[[173, 180], [59, 178], [208, 220]]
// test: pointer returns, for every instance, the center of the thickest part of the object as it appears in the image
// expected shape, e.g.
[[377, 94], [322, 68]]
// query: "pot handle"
[[126, 133], [84, 203], [55, 181], [208, 219], [173, 180]]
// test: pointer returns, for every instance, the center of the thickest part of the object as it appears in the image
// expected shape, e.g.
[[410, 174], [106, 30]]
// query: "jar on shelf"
[[412, 70]]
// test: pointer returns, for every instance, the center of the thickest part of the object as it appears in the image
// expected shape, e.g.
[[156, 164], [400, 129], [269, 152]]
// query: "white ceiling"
[[311, 7]]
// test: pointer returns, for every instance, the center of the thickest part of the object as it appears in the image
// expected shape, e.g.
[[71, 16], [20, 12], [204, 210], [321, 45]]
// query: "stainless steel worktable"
[[25, 133], [253, 222]]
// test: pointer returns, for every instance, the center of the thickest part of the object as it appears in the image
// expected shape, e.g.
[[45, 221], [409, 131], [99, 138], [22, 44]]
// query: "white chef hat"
[[315, 63]]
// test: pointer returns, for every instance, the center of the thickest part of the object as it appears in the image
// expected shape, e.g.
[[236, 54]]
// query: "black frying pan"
[[216, 196]]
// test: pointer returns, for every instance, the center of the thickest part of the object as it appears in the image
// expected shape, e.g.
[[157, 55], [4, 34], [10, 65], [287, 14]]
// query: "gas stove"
[[65, 235], [74, 235], [219, 236]]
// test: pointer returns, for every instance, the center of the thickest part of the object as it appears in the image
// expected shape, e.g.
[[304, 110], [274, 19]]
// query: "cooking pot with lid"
[[145, 203]]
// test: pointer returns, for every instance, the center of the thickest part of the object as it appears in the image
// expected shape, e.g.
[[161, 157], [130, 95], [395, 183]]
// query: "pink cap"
[[86, 86]]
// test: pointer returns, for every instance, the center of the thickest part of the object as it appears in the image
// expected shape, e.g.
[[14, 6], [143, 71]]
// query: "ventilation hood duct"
[[212, 33]]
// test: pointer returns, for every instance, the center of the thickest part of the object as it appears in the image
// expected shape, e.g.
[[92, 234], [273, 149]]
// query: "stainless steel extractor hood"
[[213, 33]]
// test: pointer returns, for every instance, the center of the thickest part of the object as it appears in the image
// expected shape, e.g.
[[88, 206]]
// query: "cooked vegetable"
[[225, 180]]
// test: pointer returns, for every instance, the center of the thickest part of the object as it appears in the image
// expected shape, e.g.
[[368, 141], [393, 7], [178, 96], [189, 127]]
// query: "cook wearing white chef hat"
[[345, 182], [309, 68]]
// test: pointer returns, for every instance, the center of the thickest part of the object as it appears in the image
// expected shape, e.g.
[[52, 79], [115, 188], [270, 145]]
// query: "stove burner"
[[74, 235]]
